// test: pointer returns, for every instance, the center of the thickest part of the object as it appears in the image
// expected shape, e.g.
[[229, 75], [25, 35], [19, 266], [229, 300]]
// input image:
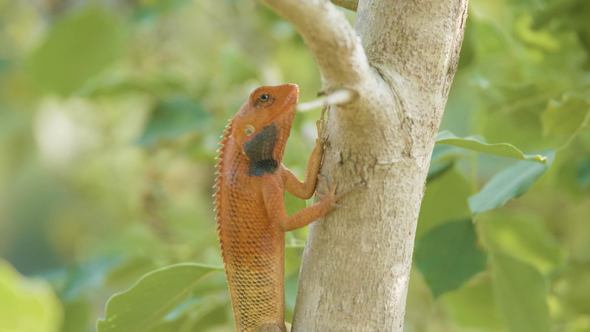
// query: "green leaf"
[[445, 199], [448, 256], [218, 314], [78, 47], [478, 144], [27, 305], [523, 237], [197, 315], [563, 117], [152, 298], [521, 295], [510, 183], [129, 270], [172, 118]]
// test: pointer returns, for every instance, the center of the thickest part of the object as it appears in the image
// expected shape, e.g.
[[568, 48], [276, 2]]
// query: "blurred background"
[[110, 112]]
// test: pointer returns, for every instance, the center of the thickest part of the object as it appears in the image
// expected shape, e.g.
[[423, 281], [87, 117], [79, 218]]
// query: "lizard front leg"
[[305, 189], [272, 193]]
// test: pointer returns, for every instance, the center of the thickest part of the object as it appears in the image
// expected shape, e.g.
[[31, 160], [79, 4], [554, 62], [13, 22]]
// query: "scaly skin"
[[250, 210]]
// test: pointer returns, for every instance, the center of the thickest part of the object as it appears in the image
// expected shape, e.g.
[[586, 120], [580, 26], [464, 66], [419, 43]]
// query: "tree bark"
[[400, 60]]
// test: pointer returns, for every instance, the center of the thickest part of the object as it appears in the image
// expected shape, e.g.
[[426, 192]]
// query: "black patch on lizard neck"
[[260, 149]]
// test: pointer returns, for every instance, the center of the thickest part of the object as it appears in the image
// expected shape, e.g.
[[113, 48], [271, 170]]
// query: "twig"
[[348, 4], [338, 97], [332, 40]]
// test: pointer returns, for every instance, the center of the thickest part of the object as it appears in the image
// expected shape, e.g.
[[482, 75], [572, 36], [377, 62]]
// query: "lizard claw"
[[337, 197], [329, 192], [331, 196]]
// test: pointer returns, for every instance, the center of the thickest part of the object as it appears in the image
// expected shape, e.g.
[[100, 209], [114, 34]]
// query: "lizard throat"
[[260, 151], [260, 167]]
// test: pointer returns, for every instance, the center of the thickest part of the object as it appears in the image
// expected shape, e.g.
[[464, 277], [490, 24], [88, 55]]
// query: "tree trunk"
[[357, 261]]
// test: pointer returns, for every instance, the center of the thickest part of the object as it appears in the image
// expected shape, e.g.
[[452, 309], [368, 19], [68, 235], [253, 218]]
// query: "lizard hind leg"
[[272, 327]]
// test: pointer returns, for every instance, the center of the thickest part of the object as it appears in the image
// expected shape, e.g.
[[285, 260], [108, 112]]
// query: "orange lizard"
[[250, 211]]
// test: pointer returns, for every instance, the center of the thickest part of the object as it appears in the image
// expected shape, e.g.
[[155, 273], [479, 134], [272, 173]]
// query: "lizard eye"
[[264, 97], [249, 130]]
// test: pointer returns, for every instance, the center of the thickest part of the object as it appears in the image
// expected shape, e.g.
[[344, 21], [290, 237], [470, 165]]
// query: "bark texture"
[[400, 59]]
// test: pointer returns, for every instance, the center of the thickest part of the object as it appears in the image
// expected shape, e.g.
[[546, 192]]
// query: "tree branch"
[[421, 44], [332, 40], [357, 261], [348, 4]]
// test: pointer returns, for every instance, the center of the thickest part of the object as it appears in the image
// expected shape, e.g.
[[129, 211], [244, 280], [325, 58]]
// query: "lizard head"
[[262, 125]]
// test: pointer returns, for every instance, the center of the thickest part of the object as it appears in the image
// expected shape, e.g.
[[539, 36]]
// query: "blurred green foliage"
[[27, 305], [109, 118]]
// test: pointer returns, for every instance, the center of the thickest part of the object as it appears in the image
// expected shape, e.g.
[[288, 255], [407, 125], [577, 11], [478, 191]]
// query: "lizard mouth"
[[290, 101], [288, 106], [293, 93], [285, 117]]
